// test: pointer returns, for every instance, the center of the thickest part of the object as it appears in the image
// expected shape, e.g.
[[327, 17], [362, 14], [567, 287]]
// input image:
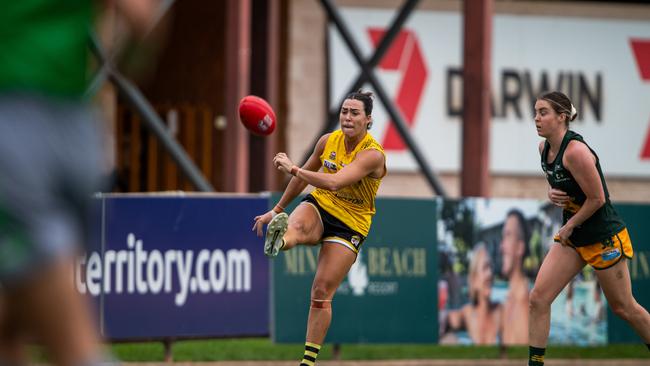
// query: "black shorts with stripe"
[[334, 230]]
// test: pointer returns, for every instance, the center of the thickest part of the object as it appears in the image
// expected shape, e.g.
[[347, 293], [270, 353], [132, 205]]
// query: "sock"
[[311, 352], [536, 356]]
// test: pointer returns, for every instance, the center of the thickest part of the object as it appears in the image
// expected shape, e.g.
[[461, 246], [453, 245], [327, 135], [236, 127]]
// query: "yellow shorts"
[[606, 254]]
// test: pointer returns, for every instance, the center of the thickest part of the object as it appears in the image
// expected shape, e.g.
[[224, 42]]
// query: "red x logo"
[[403, 55], [641, 49]]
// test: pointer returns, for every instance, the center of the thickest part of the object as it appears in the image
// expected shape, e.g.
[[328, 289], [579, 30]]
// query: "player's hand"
[[262, 220], [563, 235], [283, 163], [558, 197]]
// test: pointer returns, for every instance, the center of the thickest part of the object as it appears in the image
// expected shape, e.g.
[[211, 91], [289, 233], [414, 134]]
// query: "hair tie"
[[574, 112]]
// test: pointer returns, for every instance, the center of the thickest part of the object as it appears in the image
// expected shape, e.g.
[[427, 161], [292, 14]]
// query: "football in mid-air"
[[257, 115]]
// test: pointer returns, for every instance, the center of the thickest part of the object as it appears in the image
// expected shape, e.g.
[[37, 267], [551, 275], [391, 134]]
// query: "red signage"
[[405, 56], [641, 49]]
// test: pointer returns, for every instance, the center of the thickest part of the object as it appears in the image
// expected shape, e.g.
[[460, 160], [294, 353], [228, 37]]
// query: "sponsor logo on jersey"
[[330, 165]]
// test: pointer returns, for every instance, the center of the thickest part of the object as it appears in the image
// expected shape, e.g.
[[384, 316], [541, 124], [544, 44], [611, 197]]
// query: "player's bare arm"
[[579, 160], [294, 188], [366, 163]]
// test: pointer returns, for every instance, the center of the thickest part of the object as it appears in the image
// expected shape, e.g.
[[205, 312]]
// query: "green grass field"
[[264, 349]]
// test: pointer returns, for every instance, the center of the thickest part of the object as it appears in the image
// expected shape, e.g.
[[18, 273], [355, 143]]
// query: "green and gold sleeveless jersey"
[[44, 46], [354, 204], [605, 222]]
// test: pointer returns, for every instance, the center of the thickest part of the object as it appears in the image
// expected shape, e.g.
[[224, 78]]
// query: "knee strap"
[[321, 304]]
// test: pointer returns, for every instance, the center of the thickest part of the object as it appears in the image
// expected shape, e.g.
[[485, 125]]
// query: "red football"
[[257, 115]]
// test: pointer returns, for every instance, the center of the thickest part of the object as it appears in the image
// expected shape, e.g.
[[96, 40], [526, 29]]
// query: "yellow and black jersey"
[[354, 205]]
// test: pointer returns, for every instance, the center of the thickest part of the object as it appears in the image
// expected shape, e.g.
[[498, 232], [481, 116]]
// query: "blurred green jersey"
[[44, 46]]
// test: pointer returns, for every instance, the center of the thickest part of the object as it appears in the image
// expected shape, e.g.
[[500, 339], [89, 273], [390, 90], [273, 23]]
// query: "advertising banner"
[[636, 217], [389, 295], [608, 82], [490, 251], [178, 267], [453, 271]]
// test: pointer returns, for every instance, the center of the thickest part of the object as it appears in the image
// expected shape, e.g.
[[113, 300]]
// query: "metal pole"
[[385, 43], [235, 146], [477, 25], [157, 126], [135, 98], [393, 112]]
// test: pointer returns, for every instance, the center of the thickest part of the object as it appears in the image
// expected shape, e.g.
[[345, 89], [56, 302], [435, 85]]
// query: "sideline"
[[492, 362]]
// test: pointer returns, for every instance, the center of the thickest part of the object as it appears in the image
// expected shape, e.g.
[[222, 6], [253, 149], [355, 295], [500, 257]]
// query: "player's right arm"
[[294, 188]]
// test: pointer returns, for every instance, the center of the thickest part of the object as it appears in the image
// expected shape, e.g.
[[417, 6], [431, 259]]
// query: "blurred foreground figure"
[[50, 165]]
